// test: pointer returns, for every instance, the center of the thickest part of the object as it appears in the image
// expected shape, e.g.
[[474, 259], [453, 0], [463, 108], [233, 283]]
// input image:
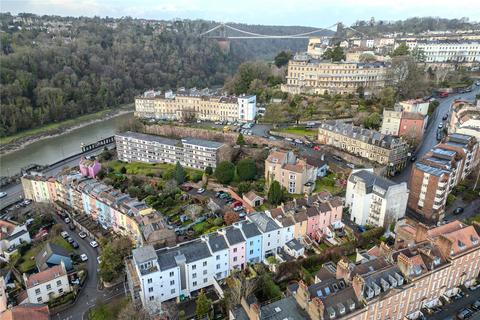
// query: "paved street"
[[90, 293], [450, 310], [429, 138], [15, 192]]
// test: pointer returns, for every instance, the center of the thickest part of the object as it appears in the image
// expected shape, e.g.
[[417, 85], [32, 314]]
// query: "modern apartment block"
[[443, 167], [171, 272], [110, 208], [190, 152], [308, 75], [374, 200], [447, 50], [195, 104], [294, 174], [369, 144]]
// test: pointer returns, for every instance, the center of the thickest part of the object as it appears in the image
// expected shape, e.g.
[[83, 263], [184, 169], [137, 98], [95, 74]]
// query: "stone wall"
[[179, 132]]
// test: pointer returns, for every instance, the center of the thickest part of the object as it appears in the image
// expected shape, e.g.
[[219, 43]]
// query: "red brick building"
[[412, 125]]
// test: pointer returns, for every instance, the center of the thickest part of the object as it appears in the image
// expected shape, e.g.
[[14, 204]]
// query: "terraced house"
[[369, 144], [168, 273], [195, 104], [110, 208], [190, 152]]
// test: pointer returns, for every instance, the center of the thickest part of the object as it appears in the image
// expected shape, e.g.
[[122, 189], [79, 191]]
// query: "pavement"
[[15, 191], [89, 295], [450, 310]]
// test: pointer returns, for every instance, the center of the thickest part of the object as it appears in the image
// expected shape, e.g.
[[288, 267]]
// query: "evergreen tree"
[[203, 306], [209, 170], [240, 140], [179, 173], [275, 193], [225, 172], [246, 169]]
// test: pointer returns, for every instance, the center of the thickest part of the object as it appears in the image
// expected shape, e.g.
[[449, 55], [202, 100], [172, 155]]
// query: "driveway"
[[89, 294]]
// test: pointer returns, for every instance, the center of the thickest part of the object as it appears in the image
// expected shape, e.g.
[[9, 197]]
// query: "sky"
[[319, 13]]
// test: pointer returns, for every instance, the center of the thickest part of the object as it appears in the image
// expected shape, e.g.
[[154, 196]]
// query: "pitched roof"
[[370, 179], [251, 195], [27, 311], [463, 239], [250, 230], [217, 242], [144, 254], [234, 235], [47, 251], [263, 222], [190, 251], [45, 276], [277, 156]]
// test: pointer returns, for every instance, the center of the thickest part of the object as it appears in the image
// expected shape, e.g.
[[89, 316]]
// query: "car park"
[[84, 257], [94, 244], [64, 234], [82, 235]]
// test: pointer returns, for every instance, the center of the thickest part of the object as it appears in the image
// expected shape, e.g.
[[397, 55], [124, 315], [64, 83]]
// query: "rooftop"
[[190, 251], [263, 222], [45, 276], [370, 180]]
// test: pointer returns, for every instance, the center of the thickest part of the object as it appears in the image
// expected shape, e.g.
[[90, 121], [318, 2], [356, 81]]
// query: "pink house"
[[236, 244], [323, 215], [89, 168]]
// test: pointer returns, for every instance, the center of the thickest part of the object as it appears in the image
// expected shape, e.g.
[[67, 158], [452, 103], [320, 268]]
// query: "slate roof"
[[191, 251], [234, 236], [144, 254], [250, 230], [294, 244], [47, 251], [263, 222], [286, 308], [370, 180], [217, 242]]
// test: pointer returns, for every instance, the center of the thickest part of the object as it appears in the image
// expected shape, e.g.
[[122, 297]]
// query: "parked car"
[[440, 126], [99, 259], [218, 194], [458, 210], [475, 287], [238, 208], [70, 240], [84, 257], [64, 234], [351, 165], [443, 94], [67, 220], [298, 141], [3, 194], [289, 139], [94, 244], [82, 234], [71, 226], [224, 195], [337, 158], [75, 244], [464, 313], [316, 148], [201, 190], [476, 305], [413, 158], [237, 204]]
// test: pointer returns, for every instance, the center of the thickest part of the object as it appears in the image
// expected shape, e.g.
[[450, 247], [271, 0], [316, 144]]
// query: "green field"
[[298, 131], [55, 126], [140, 168]]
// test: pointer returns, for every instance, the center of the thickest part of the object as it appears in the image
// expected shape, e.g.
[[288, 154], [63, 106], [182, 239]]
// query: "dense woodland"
[[55, 68]]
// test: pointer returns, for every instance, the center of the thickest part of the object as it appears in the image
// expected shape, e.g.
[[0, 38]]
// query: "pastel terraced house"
[[236, 244]]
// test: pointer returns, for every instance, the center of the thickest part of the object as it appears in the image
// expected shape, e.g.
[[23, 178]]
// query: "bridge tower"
[[223, 41]]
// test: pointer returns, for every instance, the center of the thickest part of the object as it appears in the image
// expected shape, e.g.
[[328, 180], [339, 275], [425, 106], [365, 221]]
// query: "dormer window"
[[331, 312], [376, 288], [369, 292], [341, 308], [399, 279], [385, 284], [461, 245], [393, 281], [436, 261], [474, 240]]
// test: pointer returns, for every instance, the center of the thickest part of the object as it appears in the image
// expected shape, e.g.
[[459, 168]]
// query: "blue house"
[[253, 247], [52, 255]]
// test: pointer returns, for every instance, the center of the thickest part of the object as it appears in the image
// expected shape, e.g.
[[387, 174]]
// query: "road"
[[89, 294], [451, 309], [429, 138], [15, 191]]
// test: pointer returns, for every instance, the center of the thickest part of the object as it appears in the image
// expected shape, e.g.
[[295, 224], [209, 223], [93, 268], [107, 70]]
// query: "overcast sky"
[[319, 13]]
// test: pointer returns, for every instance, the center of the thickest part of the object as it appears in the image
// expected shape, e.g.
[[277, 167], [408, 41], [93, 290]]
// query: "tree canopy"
[[179, 173], [275, 193], [203, 306], [225, 172], [336, 54], [246, 169], [282, 58]]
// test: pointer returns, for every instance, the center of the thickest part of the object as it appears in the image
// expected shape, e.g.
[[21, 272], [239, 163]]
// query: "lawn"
[[54, 126], [28, 258], [141, 168], [299, 131], [327, 183], [108, 311]]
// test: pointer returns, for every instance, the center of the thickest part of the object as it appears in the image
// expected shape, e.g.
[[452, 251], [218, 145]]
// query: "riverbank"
[[21, 140]]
